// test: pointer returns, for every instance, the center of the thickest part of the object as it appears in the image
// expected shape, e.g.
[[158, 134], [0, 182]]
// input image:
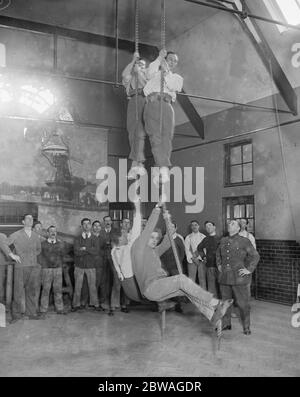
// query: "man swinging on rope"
[[154, 282], [160, 91], [134, 80]]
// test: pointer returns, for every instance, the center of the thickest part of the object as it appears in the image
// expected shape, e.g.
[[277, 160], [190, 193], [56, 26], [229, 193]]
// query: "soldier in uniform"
[[236, 260]]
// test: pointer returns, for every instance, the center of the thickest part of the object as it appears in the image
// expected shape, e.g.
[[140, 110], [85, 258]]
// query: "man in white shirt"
[[244, 232], [161, 142], [194, 260], [134, 80], [121, 256]]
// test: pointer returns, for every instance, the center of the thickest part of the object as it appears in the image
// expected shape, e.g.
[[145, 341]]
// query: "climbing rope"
[[168, 228], [136, 49], [117, 41], [163, 47], [282, 152], [165, 211]]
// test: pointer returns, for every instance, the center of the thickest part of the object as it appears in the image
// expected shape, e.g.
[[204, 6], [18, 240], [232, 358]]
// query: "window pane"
[[247, 153], [290, 10], [242, 211], [236, 211], [236, 155], [228, 211], [249, 211], [236, 174], [250, 225], [247, 172]]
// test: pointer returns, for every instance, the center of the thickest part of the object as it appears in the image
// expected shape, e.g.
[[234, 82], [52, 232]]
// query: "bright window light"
[[284, 10], [39, 99], [2, 55], [291, 10]]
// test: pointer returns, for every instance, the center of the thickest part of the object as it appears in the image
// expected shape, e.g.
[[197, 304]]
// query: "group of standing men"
[[224, 265], [38, 268]]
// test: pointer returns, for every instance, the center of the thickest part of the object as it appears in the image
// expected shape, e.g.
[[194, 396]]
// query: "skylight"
[[290, 10], [284, 10]]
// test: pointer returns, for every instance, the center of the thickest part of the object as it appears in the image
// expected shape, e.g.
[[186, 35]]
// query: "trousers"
[[200, 269], [51, 277], [241, 295], [26, 282], [91, 279], [136, 128], [161, 143], [173, 286]]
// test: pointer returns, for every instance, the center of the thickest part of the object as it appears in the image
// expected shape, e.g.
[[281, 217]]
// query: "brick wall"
[[278, 271]]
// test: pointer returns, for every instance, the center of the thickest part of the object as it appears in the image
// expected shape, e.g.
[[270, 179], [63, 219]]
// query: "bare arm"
[[163, 246], [137, 223], [116, 263], [152, 221]]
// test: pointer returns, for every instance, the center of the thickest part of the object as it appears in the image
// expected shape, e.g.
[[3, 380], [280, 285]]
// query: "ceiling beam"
[[271, 63], [148, 51], [192, 114]]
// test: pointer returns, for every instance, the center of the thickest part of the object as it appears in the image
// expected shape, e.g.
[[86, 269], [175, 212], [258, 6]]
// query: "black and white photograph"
[[149, 191]]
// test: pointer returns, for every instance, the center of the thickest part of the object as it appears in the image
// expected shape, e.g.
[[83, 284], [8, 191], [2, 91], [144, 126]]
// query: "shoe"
[[247, 331], [60, 312], [220, 311], [164, 175], [166, 305], [226, 328], [156, 176], [136, 171], [15, 319], [124, 310], [76, 308], [42, 315], [98, 309], [36, 317]]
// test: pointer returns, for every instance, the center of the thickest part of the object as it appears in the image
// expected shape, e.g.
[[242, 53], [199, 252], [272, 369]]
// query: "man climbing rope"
[[154, 282], [160, 91], [134, 80]]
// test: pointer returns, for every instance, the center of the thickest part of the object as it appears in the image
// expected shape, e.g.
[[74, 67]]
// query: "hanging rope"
[[173, 245], [117, 41], [282, 153], [163, 47], [136, 49]]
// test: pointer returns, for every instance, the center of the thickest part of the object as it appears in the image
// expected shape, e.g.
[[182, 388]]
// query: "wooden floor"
[[94, 344]]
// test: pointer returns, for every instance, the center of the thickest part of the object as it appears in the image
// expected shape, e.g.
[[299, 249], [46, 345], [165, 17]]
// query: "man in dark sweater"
[[154, 282], [207, 250], [51, 260], [85, 254]]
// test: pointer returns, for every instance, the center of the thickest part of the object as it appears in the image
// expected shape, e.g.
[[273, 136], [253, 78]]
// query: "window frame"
[[240, 200], [276, 13], [227, 163]]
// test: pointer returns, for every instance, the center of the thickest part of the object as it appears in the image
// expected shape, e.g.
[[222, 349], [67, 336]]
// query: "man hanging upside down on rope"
[[134, 80], [154, 283], [159, 120]]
